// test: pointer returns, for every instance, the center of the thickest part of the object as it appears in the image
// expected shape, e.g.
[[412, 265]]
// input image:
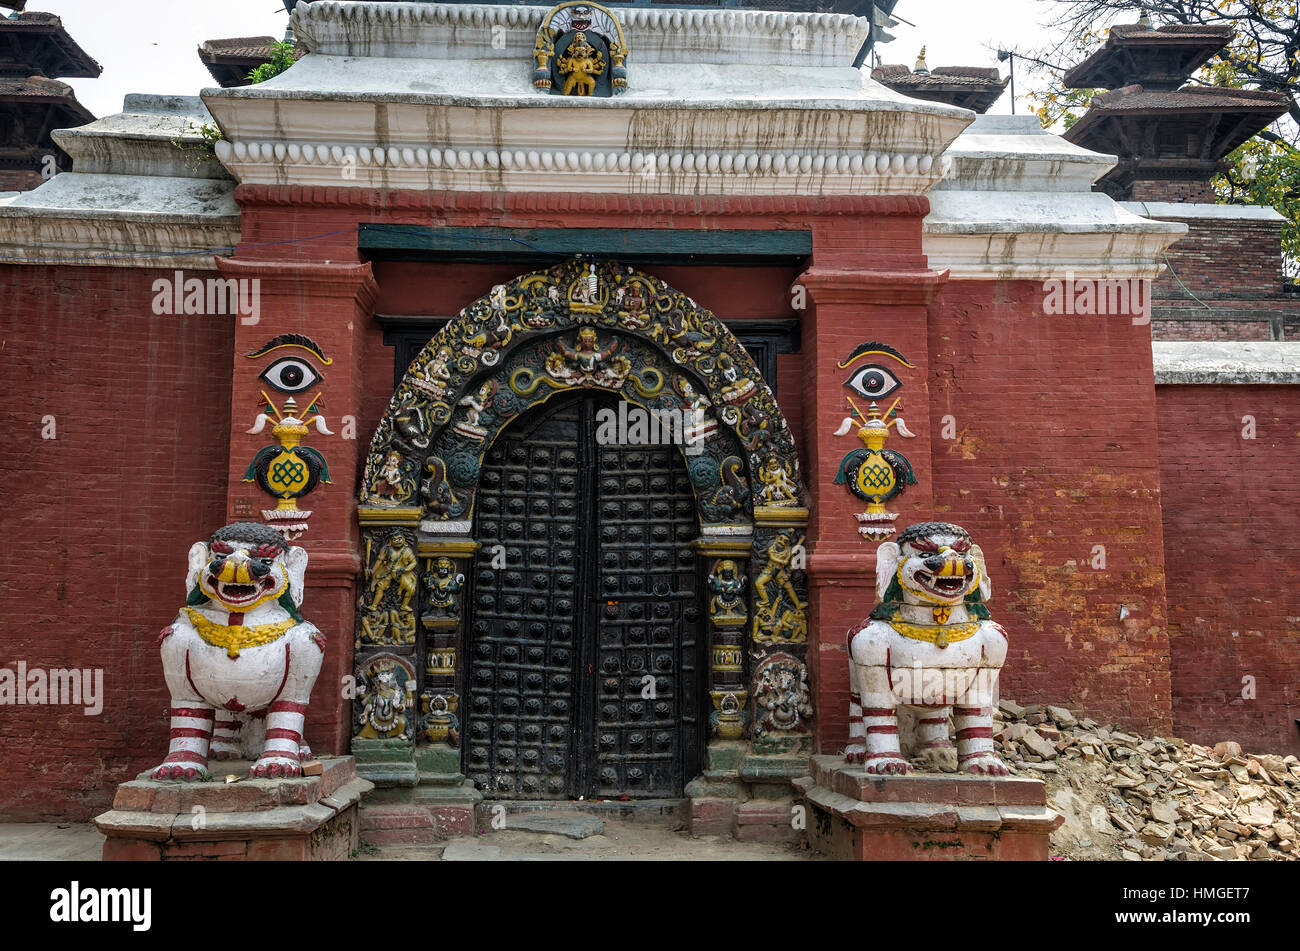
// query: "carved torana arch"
[[586, 324], [455, 398]]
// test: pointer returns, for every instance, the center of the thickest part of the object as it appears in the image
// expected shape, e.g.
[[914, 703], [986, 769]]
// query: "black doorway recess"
[[585, 673]]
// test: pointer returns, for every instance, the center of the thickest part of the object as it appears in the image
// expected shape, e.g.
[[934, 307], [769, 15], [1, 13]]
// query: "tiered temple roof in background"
[[1225, 279], [35, 50], [971, 87], [1163, 131], [231, 60]]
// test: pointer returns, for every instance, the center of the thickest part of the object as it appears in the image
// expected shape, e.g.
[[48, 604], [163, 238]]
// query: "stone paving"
[[49, 842], [573, 839], [576, 838]]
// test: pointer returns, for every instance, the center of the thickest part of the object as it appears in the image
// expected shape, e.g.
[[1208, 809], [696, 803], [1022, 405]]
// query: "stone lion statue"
[[928, 646], [240, 661]]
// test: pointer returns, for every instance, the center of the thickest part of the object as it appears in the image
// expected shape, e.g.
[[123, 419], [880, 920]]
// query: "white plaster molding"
[[142, 140], [130, 200], [1213, 362], [1018, 205], [765, 172], [719, 119], [51, 237], [1190, 211], [1013, 153], [465, 31]]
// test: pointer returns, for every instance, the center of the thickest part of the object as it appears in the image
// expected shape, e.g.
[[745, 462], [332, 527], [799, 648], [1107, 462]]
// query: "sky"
[[149, 45]]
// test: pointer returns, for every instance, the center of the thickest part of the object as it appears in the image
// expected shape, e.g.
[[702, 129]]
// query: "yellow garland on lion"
[[234, 638], [940, 635]]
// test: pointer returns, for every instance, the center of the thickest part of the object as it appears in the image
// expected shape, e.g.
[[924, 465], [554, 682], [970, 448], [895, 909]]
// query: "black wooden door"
[[585, 637]]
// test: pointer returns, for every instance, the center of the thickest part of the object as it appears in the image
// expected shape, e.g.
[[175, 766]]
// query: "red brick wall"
[[1224, 256], [1053, 455], [1210, 329], [1172, 191], [19, 180], [1235, 269], [1231, 545], [98, 520]]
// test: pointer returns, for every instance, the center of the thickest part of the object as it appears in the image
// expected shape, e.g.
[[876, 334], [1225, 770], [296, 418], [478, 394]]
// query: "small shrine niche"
[[580, 51]]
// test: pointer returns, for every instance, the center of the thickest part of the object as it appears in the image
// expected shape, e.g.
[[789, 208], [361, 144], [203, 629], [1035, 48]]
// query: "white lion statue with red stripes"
[[240, 660], [930, 646]]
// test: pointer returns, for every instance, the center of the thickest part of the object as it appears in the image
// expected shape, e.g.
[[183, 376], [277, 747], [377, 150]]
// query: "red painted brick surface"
[[19, 180], [98, 521], [1230, 527], [1202, 191], [1052, 455]]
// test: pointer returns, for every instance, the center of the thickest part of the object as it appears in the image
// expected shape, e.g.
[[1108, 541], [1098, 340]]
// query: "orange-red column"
[[330, 306], [852, 301]]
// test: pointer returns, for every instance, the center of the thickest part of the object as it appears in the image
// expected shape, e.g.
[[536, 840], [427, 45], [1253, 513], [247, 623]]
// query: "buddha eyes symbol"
[[873, 382], [290, 375]]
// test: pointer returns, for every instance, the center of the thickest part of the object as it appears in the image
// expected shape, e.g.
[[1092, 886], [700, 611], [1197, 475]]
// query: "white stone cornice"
[[359, 122], [1237, 363], [1014, 153], [465, 31], [435, 96], [758, 172], [152, 136], [132, 199], [122, 241], [1018, 204]]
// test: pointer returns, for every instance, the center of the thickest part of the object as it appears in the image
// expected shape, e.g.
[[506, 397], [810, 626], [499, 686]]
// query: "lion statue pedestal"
[[240, 663], [930, 651]]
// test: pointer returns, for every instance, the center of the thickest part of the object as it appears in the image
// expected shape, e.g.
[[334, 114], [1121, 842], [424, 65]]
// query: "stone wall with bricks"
[[1037, 433]]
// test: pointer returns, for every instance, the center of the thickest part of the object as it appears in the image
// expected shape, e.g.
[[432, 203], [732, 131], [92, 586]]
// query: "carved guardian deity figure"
[[240, 661], [930, 645]]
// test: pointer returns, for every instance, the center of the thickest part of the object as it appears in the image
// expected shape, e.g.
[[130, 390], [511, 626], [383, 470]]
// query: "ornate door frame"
[[580, 324]]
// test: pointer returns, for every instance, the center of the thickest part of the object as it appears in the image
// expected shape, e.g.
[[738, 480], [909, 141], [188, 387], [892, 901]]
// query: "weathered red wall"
[[97, 522], [1053, 455], [1232, 547]]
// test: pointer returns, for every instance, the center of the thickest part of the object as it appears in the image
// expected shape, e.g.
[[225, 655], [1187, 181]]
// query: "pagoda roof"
[[970, 87], [1157, 59], [31, 109], [37, 44], [1231, 115], [231, 60], [1172, 135]]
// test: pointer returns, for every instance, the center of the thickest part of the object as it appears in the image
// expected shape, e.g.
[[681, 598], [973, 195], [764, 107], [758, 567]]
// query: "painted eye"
[[291, 375], [872, 381]]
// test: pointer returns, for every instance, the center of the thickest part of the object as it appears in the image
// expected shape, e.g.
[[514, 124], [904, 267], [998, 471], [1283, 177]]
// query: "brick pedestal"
[[312, 818], [855, 815]]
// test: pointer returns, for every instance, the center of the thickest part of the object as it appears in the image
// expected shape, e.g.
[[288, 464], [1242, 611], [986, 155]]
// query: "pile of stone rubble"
[[1156, 798]]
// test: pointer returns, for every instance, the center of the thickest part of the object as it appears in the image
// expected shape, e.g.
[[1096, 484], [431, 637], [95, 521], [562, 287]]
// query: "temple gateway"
[[591, 354]]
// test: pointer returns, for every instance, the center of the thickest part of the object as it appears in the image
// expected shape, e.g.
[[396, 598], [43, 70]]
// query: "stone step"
[[427, 836], [650, 810], [395, 817], [397, 825]]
